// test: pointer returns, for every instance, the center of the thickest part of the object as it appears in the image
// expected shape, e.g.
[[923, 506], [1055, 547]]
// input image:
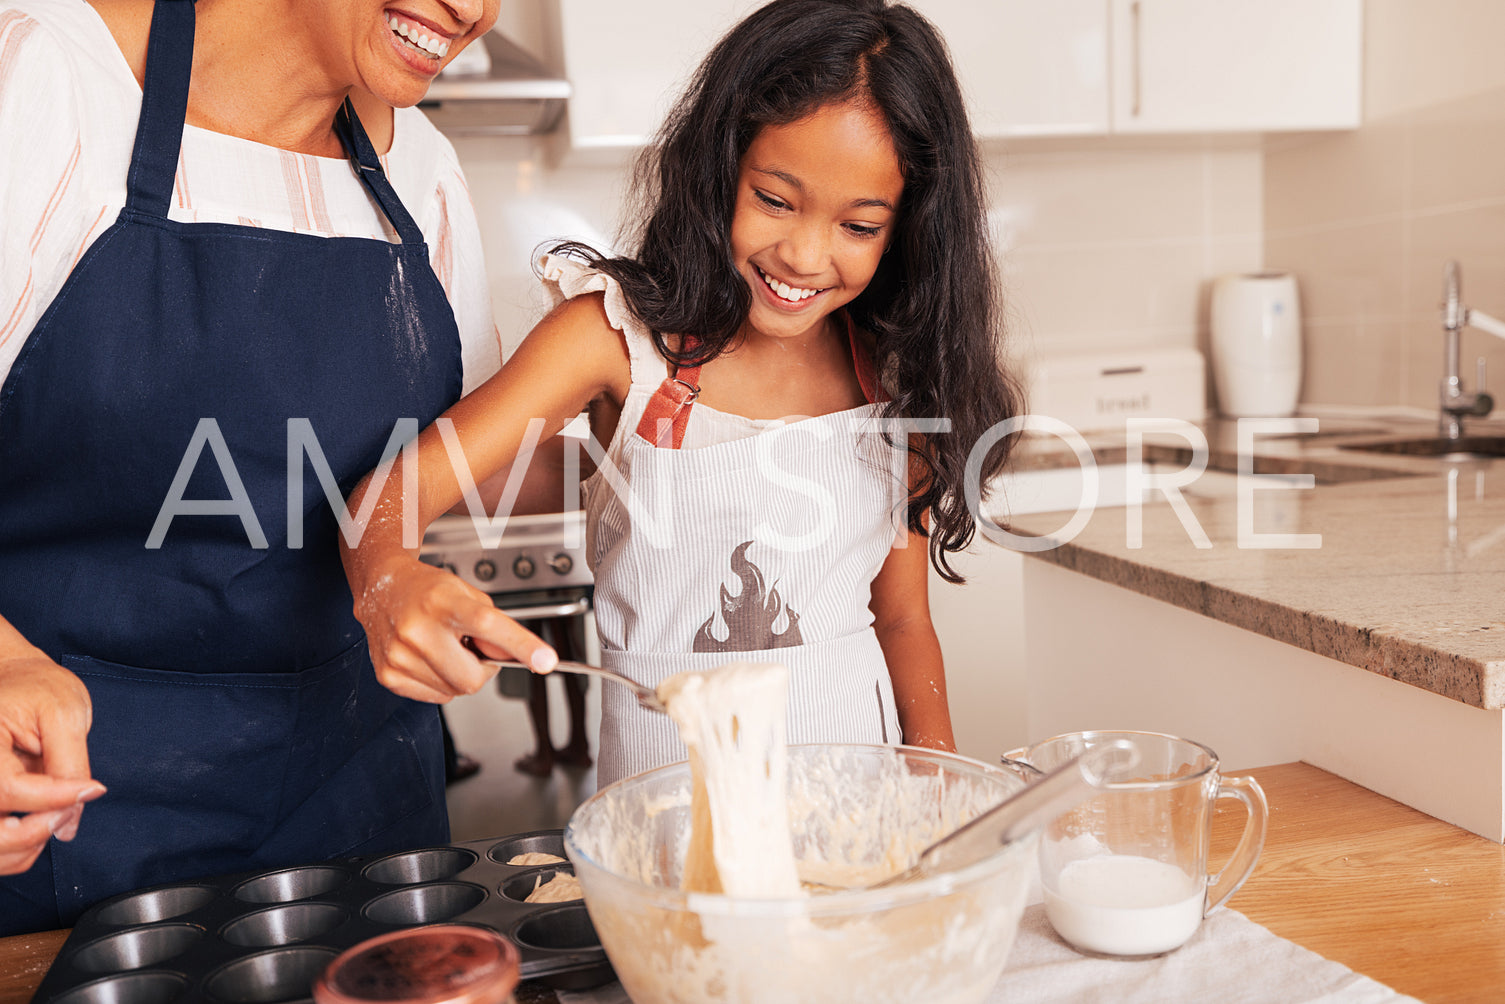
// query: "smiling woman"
[[166, 257]]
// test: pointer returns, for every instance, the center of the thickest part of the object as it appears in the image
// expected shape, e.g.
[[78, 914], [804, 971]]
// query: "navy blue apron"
[[237, 720]]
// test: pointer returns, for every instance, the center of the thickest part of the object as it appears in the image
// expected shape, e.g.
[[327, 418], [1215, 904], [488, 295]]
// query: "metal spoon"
[[647, 696], [1064, 788]]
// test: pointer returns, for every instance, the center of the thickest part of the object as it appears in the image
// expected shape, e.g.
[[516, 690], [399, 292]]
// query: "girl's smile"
[[785, 296], [816, 200]]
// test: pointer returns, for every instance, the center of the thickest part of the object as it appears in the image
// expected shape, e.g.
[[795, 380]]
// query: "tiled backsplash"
[[1112, 245], [1366, 220]]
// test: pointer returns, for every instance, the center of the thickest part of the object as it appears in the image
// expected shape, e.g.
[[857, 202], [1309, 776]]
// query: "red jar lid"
[[440, 964]]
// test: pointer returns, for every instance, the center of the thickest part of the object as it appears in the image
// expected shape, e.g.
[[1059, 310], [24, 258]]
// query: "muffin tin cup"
[[262, 938]]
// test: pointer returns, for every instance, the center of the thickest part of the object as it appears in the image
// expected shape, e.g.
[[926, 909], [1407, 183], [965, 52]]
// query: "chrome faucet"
[[1454, 400]]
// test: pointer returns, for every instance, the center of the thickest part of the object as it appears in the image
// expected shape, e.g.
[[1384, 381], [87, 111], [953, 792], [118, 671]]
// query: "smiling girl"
[[812, 260]]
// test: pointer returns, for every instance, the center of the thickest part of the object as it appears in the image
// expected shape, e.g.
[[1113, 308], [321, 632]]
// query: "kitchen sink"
[[1465, 448], [1020, 493]]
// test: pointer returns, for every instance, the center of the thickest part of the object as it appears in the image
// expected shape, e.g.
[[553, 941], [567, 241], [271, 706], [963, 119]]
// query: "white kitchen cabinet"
[[1027, 67], [980, 624], [1235, 65], [628, 62]]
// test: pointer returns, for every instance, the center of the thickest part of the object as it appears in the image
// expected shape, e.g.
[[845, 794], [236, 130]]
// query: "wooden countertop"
[[1388, 891], [1395, 894]]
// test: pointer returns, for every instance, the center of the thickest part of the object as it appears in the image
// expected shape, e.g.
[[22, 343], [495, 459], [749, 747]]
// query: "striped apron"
[[762, 549]]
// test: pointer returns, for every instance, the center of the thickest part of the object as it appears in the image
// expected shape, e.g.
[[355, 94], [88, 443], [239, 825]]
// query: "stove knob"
[[485, 570], [562, 563], [523, 567]]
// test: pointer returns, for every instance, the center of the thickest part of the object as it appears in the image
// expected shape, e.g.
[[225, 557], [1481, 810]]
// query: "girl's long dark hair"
[[933, 304]]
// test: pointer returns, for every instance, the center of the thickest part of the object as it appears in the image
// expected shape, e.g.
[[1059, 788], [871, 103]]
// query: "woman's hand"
[[415, 616], [44, 755]]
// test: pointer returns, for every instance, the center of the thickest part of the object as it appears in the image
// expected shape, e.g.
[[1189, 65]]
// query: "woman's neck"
[[260, 83], [257, 75]]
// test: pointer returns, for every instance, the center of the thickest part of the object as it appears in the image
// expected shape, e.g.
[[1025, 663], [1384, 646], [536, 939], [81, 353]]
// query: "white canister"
[[1256, 343]]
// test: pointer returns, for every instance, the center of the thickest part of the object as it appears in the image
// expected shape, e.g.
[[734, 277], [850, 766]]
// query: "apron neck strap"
[[164, 104], [164, 101], [862, 362], [667, 413], [367, 164]]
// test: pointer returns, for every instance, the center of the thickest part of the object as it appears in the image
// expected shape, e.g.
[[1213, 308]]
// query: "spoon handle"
[[647, 696], [1033, 806]]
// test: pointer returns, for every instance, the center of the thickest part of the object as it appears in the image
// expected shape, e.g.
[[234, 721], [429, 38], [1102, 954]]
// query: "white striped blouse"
[[68, 111]]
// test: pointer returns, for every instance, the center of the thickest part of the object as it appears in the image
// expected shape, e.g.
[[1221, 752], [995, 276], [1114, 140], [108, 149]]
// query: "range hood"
[[495, 88]]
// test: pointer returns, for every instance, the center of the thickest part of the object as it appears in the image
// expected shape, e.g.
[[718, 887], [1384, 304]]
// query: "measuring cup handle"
[[1246, 855], [1013, 762]]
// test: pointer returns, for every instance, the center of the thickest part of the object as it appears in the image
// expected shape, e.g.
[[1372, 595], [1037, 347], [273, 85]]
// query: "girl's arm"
[[901, 619], [415, 614]]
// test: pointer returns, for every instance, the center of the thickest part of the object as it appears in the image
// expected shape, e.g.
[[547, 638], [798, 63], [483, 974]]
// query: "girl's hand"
[[415, 616]]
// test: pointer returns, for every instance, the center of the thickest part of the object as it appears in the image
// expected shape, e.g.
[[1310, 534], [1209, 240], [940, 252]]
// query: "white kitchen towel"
[[1230, 960]]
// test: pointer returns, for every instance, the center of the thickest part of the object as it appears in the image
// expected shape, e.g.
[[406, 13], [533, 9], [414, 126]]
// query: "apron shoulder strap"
[[667, 414], [367, 164], [164, 101], [862, 362]]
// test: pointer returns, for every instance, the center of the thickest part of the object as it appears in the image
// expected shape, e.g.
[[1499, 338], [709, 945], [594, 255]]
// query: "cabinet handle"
[[1134, 42]]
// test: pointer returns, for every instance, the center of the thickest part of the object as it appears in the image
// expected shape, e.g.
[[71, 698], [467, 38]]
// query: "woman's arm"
[[901, 619], [414, 614]]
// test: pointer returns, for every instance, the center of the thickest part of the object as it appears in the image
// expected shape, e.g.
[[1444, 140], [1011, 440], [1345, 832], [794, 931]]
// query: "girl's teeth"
[[786, 291]]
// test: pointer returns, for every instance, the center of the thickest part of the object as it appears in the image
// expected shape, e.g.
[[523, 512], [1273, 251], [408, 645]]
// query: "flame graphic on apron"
[[750, 615]]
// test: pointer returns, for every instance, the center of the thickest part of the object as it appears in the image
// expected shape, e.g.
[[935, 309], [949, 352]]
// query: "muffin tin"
[[262, 937]]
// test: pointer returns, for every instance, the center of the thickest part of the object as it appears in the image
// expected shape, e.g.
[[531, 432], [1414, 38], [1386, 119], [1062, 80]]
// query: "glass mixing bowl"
[[857, 813]]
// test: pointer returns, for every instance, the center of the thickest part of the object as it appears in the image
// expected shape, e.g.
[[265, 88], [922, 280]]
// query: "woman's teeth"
[[785, 291], [416, 37]]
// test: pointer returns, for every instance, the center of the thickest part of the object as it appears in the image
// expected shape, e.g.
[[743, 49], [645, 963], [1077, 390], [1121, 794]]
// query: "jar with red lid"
[[439, 964]]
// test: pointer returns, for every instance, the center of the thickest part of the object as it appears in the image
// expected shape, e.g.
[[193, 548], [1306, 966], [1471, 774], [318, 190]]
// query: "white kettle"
[[1256, 343]]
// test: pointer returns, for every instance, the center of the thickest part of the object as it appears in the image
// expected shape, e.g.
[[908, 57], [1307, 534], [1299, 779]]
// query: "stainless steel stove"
[[537, 569], [536, 573]]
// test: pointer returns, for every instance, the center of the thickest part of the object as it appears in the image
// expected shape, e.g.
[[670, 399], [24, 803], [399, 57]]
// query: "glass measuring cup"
[[1126, 872]]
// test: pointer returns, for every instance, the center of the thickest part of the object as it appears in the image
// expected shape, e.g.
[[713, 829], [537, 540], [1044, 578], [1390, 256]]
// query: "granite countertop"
[[1409, 580]]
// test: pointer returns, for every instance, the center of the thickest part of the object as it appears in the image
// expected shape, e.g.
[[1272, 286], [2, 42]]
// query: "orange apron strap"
[[862, 362], [668, 412]]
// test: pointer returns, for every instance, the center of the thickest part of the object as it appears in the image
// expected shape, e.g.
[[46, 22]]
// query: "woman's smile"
[[404, 44], [421, 45], [419, 36]]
